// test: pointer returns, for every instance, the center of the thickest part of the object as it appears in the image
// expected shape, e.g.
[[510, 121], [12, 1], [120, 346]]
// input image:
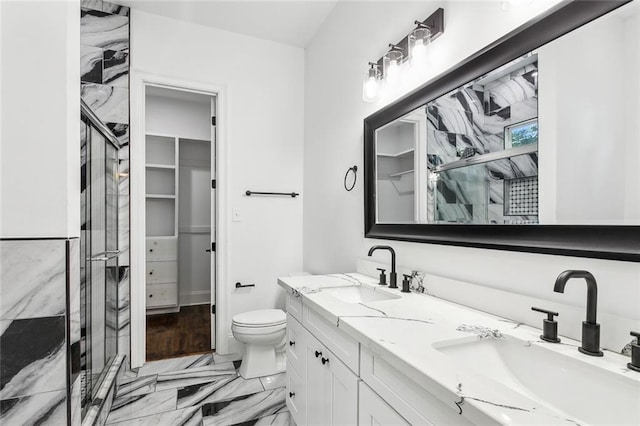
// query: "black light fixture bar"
[[435, 22]]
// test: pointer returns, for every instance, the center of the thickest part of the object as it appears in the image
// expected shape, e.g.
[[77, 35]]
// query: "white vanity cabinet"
[[333, 380], [372, 410], [321, 389]]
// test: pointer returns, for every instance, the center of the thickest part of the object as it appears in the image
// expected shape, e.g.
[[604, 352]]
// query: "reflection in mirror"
[[551, 138], [482, 149], [399, 148], [459, 158]]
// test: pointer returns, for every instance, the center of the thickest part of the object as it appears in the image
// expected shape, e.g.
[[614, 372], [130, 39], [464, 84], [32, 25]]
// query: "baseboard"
[[195, 298], [158, 311]]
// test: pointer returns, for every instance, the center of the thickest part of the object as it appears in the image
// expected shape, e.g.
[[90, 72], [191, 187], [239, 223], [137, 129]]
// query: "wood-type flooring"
[[177, 334]]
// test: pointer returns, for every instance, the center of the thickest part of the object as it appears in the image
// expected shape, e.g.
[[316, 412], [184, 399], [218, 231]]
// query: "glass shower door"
[[99, 255]]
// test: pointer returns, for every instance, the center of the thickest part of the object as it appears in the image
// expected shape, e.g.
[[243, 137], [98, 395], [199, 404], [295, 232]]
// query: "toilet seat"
[[257, 331], [260, 319]]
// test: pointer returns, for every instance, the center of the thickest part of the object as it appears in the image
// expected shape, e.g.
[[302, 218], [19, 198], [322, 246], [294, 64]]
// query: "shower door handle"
[[110, 254]]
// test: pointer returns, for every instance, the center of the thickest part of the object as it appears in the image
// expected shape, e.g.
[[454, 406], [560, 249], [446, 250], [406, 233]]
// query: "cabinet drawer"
[[294, 306], [162, 272], [374, 411], [296, 396], [295, 344], [345, 347], [412, 401], [162, 249], [162, 295]]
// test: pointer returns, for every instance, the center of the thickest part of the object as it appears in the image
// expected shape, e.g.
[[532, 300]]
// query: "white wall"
[[39, 121], [178, 117], [264, 107], [334, 113]]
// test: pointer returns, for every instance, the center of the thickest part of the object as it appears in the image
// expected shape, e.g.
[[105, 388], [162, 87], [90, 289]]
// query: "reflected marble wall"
[[474, 118]]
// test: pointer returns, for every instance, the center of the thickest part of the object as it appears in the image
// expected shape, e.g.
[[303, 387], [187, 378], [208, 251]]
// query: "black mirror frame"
[[600, 242]]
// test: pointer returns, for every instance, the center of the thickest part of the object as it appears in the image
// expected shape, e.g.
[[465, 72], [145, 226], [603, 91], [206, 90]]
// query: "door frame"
[[139, 80]]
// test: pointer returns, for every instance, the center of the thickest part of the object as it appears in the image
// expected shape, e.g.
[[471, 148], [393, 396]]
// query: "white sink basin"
[[582, 391], [358, 294]]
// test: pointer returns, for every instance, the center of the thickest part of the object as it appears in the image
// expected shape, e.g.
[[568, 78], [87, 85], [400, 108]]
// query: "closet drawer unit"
[[162, 249], [345, 347], [294, 306], [162, 272], [162, 295], [295, 344]]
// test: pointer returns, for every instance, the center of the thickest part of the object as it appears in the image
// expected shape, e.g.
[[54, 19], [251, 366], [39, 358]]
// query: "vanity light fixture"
[[387, 70]]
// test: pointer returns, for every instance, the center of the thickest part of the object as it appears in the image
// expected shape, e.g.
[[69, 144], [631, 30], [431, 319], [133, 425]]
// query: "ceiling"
[[289, 22]]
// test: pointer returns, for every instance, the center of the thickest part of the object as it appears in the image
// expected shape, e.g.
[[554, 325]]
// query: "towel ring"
[[353, 169]]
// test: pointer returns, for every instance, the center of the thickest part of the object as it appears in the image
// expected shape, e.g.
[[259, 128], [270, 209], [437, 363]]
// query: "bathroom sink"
[[358, 294], [582, 391]]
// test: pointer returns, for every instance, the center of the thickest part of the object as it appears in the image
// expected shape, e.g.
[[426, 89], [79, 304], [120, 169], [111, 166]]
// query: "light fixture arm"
[[422, 25]]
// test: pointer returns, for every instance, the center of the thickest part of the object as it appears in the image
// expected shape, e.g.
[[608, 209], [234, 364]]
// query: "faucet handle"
[[549, 326], [406, 282], [635, 353], [383, 277], [550, 314]]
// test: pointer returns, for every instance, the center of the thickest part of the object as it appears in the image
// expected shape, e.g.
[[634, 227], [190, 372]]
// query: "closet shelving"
[[161, 193], [175, 223]]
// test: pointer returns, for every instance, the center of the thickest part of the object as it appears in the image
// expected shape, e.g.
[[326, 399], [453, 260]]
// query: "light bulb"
[[418, 53], [392, 70], [371, 87]]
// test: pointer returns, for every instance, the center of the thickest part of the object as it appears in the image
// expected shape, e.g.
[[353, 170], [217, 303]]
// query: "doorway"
[[180, 222]]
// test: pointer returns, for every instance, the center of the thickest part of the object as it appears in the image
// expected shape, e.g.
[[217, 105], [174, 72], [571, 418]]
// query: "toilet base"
[[260, 361]]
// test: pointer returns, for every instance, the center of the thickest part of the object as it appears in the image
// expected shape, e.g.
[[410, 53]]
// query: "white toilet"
[[264, 333]]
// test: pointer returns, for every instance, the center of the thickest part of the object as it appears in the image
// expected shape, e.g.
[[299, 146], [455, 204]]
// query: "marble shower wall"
[[473, 119], [104, 69], [39, 331]]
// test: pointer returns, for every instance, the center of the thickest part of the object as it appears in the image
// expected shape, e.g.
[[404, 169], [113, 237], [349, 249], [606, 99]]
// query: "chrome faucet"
[[590, 328], [393, 277]]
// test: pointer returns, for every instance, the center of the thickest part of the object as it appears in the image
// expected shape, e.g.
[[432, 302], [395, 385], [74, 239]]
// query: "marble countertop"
[[403, 331]]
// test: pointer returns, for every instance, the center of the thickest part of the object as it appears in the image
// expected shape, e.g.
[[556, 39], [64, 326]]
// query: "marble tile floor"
[[198, 390]]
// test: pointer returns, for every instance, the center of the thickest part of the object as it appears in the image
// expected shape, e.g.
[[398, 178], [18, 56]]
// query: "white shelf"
[[169, 197], [397, 154], [160, 166]]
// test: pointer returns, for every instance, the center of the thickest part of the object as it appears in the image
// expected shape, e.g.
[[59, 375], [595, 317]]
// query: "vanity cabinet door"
[[314, 381], [332, 388], [374, 411], [341, 393]]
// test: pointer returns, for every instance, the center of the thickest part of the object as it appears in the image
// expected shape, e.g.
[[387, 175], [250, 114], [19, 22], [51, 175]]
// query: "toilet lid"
[[261, 318]]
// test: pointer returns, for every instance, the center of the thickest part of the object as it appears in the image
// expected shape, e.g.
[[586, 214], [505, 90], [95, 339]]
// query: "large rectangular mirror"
[[531, 145]]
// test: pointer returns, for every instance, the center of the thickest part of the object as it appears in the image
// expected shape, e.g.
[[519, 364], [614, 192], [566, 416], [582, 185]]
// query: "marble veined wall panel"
[[32, 279], [105, 44], [40, 326]]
